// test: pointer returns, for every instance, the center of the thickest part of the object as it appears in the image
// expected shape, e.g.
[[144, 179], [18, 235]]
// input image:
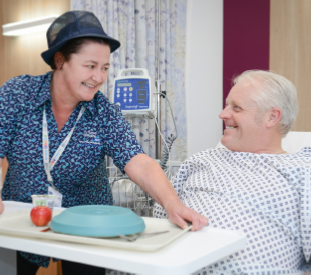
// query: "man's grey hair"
[[273, 91]]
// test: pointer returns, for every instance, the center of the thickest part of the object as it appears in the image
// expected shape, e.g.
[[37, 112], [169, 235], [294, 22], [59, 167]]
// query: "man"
[[254, 186]]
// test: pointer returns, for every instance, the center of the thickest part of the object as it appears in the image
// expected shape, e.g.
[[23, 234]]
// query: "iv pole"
[[158, 85]]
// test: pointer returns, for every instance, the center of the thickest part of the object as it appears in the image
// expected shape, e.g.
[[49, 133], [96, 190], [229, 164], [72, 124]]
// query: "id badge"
[[59, 196]]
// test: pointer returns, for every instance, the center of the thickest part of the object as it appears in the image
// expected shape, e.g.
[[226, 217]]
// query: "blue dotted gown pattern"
[[267, 197], [80, 174]]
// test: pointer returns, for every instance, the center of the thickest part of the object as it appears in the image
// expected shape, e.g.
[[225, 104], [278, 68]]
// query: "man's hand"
[[178, 214]]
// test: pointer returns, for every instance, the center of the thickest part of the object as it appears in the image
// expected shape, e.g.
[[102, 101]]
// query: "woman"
[[254, 186], [56, 130]]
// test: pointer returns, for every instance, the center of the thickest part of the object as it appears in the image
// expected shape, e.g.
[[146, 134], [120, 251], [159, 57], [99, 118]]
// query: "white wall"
[[204, 70]]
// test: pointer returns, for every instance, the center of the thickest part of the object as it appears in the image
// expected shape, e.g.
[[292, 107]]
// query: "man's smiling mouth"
[[231, 127]]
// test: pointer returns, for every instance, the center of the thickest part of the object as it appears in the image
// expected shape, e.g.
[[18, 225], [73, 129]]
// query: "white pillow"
[[295, 141]]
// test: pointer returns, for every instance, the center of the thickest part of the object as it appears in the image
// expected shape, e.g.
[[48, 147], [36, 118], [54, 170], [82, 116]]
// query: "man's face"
[[244, 128]]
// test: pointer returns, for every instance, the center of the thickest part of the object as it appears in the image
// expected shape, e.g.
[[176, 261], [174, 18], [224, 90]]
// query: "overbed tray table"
[[183, 256]]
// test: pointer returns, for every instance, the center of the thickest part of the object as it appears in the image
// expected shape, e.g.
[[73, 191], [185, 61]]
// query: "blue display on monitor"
[[132, 94]]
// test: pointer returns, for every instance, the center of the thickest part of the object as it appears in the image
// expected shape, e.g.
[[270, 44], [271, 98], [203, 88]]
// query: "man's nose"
[[225, 113]]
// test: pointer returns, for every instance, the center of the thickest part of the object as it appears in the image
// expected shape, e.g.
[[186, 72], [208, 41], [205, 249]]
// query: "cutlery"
[[132, 239]]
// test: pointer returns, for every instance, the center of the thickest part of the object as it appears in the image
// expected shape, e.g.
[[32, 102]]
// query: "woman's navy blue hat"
[[74, 24]]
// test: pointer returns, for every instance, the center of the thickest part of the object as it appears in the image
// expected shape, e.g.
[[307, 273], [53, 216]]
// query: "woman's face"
[[244, 128], [86, 71]]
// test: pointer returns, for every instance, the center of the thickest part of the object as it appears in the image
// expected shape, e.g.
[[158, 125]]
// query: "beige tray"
[[19, 224]]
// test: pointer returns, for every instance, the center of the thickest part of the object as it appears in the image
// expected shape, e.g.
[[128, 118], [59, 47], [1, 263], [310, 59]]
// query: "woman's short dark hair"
[[74, 46]]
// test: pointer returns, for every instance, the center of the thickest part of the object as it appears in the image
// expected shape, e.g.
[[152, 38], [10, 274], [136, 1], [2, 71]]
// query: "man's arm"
[[1, 203], [147, 173]]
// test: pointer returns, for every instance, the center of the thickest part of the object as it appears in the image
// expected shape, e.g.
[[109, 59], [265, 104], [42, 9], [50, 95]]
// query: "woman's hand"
[[178, 214]]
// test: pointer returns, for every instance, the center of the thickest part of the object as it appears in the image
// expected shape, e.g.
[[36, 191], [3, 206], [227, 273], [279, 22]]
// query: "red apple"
[[41, 215]]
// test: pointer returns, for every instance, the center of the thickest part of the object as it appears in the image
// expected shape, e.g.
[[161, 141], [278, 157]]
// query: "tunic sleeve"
[[8, 109]]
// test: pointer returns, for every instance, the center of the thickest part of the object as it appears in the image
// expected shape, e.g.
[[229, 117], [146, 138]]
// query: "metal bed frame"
[[127, 194]]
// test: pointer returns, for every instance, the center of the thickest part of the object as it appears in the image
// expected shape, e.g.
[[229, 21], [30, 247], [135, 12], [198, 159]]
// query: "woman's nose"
[[98, 76]]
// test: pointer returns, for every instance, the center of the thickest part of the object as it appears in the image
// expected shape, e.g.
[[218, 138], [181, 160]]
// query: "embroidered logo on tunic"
[[90, 138]]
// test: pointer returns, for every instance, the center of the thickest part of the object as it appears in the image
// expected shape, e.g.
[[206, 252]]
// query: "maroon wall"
[[246, 38]]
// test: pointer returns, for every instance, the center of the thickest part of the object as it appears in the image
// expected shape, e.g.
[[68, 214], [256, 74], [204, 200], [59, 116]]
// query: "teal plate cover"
[[97, 221]]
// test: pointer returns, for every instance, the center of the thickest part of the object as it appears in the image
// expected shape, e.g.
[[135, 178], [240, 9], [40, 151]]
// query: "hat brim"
[[49, 54]]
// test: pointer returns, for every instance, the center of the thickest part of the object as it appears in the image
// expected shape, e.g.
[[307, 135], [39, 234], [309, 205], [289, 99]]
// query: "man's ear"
[[274, 116], [59, 60]]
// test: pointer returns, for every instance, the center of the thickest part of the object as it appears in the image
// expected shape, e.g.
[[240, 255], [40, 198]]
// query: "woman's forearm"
[[147, 174]]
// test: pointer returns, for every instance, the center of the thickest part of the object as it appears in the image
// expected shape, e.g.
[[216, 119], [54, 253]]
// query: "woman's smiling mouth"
[[88, 85]]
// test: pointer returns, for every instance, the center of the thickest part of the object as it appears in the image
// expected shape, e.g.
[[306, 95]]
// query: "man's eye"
[[91, 66], [105, 69]]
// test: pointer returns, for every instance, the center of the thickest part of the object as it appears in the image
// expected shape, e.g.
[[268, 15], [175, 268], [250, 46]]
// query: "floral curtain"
[[135, 24]]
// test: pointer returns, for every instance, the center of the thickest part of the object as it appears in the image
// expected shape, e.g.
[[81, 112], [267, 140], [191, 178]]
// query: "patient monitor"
[[134, 93]]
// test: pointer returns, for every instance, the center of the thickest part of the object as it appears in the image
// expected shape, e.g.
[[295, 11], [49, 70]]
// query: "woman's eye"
[[237, 108], [105, 69]]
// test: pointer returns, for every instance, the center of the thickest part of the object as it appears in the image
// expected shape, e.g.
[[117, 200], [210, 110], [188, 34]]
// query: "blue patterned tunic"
[[80, 174]]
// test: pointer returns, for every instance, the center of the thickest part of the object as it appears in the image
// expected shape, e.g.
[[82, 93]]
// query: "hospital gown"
[[265, 196]]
